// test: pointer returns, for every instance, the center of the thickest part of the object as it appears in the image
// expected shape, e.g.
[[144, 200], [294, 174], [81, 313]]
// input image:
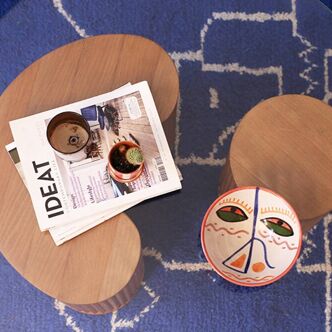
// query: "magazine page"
[[63, 191], [64, 233], [14, 156]]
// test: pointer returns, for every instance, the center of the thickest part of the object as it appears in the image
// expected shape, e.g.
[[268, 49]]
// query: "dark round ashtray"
[[68, 133]]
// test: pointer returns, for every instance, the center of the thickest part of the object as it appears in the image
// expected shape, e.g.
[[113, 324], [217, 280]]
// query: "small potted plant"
[[125, 161]]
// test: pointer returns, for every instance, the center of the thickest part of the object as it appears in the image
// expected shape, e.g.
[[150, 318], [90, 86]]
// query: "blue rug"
[[230, 56]]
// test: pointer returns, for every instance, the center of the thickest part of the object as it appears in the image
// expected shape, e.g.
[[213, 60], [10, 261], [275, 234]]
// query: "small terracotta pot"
[[120, 176]]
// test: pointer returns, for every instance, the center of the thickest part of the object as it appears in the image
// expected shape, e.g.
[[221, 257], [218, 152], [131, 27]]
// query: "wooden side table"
[[101, 270], [285, 144]]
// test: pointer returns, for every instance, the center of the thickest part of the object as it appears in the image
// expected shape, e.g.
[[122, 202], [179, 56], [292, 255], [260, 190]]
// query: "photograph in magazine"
[[121, 123]]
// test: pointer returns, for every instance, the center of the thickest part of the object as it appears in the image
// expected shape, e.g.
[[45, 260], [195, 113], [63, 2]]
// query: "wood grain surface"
[[105, 262], [285, 144]]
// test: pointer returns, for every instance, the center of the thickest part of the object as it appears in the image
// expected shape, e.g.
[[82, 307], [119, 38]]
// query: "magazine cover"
[[66, 232], [65, 190]]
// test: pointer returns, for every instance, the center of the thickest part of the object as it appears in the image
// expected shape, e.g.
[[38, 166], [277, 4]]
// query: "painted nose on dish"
[[239, 262], [258, 267]]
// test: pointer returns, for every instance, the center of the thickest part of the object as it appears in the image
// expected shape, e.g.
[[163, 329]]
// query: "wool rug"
[[230, 55]]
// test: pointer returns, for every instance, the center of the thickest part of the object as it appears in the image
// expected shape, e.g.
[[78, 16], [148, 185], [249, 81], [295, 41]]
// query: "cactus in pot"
[[134, 156]]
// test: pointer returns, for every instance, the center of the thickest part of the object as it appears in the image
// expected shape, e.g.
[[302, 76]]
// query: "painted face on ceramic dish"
[[251, 236]]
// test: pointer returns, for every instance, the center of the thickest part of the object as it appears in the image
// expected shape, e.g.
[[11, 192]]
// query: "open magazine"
[[70, 197]]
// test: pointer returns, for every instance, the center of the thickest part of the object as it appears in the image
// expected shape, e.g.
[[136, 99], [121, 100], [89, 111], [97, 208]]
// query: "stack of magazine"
[[71, 197]]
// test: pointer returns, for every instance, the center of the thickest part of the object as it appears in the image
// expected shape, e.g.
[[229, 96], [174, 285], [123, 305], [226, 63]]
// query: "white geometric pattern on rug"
[[198, 55], [328, 93], [325, 267], [130, 323], [59, 7], [115, 323], [214, 98], [69, 320]]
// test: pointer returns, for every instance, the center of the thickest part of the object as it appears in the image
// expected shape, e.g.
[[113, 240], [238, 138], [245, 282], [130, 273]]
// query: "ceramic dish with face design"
[[251, 236]]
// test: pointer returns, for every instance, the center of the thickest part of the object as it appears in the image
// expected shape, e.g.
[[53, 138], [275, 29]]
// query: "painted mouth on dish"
[[248, 279]]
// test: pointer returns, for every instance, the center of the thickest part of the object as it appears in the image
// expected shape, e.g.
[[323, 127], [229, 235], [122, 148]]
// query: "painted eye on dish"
[[231, 213], [278, 226]]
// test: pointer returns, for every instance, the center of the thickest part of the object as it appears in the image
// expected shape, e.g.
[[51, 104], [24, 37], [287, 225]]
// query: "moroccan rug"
[[230, 55]]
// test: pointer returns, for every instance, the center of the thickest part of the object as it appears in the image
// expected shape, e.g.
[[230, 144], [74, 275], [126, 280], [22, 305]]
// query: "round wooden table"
[[285, 144], [102, 269]]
